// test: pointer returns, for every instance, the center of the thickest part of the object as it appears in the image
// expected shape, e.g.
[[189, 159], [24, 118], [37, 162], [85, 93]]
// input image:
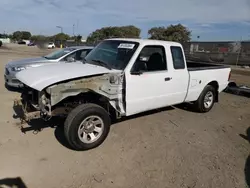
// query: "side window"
[[87, 51], [151, 58], [81, 54], [73, 55], [178, 59]]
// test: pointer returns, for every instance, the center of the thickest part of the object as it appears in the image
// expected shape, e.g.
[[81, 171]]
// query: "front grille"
[[7, 71]]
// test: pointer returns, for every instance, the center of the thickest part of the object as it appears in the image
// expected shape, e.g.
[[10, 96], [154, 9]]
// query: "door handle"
[[168, 79]]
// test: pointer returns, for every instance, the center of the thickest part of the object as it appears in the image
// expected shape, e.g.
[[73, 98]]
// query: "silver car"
[[70, 54]]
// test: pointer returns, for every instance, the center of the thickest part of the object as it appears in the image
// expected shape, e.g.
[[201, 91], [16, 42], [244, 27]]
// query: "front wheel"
[[87, 126], [206, 100]]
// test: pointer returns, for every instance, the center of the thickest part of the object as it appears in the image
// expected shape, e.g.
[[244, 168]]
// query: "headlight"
[[16, 69]]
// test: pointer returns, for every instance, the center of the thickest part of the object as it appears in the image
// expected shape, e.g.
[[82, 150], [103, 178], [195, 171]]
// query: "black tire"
[[74, 119], [200, 103]]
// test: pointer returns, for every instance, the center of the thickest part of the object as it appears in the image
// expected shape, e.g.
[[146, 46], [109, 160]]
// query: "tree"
[[78, 38], [36, 38], [178, 33], [129, 31], [60, 37], [26, 35], [10, 36], [17, 35], [3, 35]]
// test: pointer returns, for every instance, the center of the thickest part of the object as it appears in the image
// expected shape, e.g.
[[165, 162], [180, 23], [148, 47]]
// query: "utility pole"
[[61, 32], [77, 25], [73, 29], [60, 27], [238, 55]]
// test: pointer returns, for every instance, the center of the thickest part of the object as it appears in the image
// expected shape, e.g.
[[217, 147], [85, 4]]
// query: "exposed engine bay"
[[60, 98]]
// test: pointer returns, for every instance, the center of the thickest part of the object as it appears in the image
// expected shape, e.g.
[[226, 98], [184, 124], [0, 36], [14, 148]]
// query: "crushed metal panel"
[[108, 85]]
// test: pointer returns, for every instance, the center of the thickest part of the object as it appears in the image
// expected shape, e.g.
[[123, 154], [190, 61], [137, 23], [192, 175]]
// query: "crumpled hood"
[[44, 76], [27, 61]]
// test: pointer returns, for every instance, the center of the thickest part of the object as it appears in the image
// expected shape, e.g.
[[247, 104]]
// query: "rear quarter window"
[[178, 58]]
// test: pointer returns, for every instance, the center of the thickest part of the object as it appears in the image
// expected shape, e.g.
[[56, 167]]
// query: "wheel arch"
[[215, 85], [104, 89], [90, 97]]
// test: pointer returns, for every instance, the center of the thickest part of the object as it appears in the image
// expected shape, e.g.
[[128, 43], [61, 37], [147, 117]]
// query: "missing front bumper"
[[24, 112]]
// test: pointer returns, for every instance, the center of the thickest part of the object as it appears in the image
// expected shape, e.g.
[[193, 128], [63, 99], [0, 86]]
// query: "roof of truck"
[[147, 41]]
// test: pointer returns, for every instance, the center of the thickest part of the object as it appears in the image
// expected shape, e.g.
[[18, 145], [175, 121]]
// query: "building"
[[5, 40]]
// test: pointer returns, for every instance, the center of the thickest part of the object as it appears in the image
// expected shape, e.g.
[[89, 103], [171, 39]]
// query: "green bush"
[[1, 43]]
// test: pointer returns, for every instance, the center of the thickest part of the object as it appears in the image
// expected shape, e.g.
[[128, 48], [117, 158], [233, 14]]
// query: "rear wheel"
[[87, 126], [206, 100]]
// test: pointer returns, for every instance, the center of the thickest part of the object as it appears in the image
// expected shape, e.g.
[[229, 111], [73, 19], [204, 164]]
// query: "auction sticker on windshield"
[[126, 45]]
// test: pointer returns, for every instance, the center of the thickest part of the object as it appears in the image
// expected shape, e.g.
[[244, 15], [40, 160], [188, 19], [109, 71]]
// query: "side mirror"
[[138, 68], [70, 59], [136, 72]]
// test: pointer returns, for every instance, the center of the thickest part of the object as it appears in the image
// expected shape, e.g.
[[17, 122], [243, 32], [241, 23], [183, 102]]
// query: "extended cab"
[[119, 77]]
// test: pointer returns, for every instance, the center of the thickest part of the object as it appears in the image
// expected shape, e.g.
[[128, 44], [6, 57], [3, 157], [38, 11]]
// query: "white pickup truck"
[[119, 77]]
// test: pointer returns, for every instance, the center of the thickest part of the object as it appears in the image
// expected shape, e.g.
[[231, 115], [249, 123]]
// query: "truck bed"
[[196, 66]]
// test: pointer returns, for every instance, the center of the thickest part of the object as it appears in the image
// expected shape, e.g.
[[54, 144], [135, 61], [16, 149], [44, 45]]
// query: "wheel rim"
[[90, 129], [208, 99]]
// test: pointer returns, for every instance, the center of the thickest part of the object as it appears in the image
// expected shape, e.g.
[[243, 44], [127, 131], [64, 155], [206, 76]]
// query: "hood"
[[44, 76], [25, 62]]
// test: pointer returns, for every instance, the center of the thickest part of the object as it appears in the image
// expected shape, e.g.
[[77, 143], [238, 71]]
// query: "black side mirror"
[[136, 72], [138, 68]]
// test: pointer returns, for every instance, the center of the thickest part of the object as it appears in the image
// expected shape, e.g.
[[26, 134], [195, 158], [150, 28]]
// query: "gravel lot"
[[170, 148]]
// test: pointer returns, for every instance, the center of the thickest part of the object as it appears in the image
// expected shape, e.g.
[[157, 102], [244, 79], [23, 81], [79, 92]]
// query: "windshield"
[[114, 53], [59, 53]]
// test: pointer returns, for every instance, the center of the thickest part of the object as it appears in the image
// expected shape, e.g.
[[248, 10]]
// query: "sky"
[[209, 19]]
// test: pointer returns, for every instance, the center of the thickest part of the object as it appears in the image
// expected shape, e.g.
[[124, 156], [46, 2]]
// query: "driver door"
[[149, 82]]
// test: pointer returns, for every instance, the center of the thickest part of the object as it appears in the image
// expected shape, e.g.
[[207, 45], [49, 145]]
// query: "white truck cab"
[[119, 77]]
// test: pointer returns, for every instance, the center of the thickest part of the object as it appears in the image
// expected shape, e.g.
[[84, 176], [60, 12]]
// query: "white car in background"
[[51, 45], [65, 55]]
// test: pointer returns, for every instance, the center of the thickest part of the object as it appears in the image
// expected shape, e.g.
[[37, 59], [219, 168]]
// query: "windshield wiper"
[[102, 63]]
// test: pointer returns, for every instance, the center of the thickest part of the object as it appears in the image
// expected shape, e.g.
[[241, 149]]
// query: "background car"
[[21, 42], [66, 55], [31, 44], [51, 45]]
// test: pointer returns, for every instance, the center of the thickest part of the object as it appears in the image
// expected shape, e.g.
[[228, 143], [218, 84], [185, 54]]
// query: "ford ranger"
[[119, 77]]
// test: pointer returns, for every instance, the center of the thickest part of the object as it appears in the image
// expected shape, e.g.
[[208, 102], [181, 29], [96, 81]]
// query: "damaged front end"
[[26, 108], [61, 98]]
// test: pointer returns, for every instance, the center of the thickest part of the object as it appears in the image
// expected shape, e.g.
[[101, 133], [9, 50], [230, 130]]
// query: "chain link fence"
[[231, 53]]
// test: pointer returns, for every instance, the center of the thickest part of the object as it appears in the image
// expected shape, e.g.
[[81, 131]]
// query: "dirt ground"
[[171, 148]]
